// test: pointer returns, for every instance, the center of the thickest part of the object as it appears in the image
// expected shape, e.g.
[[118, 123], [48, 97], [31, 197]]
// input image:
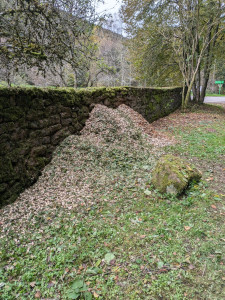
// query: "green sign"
[[220, 84]]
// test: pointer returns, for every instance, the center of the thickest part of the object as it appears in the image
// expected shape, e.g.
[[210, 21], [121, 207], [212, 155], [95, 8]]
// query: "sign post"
[[220, 83]]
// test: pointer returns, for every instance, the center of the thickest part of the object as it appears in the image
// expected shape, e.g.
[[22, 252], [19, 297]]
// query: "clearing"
[[94, 227]]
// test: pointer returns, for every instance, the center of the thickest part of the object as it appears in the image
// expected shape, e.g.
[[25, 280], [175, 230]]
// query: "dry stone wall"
[[34, 121]]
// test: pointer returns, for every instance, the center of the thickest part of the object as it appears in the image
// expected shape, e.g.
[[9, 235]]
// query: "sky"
[[109, 6]]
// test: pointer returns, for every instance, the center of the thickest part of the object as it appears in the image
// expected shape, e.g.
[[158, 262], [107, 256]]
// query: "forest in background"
[[52, 44], [149, 43]]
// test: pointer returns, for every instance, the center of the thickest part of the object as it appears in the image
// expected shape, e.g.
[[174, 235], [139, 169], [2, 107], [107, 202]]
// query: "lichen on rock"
[[172, 175]]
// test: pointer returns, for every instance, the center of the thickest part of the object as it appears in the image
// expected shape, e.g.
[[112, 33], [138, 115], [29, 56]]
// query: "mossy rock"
[[172, 175]]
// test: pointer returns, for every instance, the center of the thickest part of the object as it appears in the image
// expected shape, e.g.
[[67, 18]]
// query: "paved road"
[[214, 99]]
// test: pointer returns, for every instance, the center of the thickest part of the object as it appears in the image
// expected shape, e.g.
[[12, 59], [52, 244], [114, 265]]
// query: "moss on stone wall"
[[33, 121]]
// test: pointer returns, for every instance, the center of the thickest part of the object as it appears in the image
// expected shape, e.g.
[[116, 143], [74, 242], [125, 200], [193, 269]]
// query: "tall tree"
[[47, 33], [179, 33]]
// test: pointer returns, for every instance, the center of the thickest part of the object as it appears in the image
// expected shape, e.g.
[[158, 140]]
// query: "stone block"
[[172, 175], [66, 115], [59, 136], [51, 130], [66, 122], [39, 151]]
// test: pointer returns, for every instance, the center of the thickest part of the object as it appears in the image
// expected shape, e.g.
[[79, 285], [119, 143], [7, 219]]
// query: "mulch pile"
[[113, 124], [67, 181]]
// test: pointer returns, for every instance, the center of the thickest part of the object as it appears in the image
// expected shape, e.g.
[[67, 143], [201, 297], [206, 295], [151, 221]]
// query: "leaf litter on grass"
[[92, 216], [109, 158], [84, 168]]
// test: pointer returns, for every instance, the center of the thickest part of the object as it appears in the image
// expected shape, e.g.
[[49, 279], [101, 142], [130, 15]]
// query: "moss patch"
[[172, 175]]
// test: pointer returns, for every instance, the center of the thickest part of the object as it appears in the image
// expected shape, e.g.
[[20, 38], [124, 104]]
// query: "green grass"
[[214, 95], [165, 248], [4, 84], [161, 247], [205, 142]]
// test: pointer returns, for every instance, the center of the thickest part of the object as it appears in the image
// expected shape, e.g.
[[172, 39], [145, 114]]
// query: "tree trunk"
[[9, 80], [194, 90], [209, 59], [206, 73], [204, 86], [187, 96], [75, 79], [198, 88], [183, 95]]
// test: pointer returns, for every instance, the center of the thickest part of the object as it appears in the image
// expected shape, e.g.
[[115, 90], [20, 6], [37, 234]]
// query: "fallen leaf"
[[32, 284], [187, 228], [50, 284], [209, 179], [187, 259], [142, 236], [95, 295], [38, 294], [214, 206], [163, 270], [109, 257], [191, 267], [147, 192], [160, 264]]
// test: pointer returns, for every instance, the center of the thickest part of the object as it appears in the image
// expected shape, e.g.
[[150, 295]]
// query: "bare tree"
[[49, 33]]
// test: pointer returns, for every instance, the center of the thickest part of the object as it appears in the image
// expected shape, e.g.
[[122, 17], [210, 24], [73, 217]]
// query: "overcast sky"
[[110, 6]]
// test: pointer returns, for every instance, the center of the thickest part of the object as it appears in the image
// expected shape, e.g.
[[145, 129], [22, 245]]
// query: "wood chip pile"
[[82, 167]]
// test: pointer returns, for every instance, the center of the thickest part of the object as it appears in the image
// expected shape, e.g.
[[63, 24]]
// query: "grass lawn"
[[214, 95], [130, 242]]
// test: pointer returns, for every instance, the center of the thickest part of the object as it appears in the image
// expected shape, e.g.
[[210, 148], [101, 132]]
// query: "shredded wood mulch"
[[122, 121], [68, 181], [77, 175]]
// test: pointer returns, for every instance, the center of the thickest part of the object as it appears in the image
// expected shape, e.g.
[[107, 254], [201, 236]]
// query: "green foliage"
[[70, 80], [79, 290], [109, 257], [175, 42], [165, 247], [206, 142]]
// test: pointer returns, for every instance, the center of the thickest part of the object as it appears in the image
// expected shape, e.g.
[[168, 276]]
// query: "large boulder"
[[172, 175]]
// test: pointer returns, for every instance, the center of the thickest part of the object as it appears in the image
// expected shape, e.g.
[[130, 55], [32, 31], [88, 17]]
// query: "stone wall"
[[34, 121]]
